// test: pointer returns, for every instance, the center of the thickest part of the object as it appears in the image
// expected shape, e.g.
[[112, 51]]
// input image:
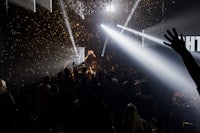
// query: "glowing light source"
[[170, 73], [68, 26]]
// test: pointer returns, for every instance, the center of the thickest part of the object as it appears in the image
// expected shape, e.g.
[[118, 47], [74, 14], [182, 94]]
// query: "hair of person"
[[132, 121], [3, 86]]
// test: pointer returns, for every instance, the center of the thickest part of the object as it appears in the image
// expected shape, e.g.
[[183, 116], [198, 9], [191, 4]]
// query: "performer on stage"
[[90, 59]]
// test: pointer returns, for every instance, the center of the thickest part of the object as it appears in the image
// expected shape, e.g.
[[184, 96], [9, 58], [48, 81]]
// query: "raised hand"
[[176, 43]]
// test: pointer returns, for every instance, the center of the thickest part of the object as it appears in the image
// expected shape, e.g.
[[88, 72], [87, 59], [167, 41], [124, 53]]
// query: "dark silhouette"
[[94, 116], [132, 122], [178, 45], [43, 103], [8, 109]]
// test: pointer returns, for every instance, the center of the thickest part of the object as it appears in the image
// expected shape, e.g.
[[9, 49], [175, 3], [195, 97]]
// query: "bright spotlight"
[[151, 38], [170, 73]]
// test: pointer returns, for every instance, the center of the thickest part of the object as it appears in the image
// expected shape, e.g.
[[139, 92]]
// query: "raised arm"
[[178, 45]]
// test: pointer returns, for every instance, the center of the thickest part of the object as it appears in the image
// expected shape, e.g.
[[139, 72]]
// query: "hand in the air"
[[176, 43]]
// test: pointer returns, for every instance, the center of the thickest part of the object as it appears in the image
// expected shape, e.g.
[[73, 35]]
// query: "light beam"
[[68, 26], [151, 38], [131, 14], [173, 75], [104, 46]]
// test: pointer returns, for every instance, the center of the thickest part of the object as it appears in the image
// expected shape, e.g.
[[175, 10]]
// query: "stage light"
[[111, 8], [174, 75]]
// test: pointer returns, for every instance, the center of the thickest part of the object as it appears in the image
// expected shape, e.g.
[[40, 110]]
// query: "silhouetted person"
[[178, 45], [90, 58], [7, 108], [132, 122], [94, 116], [43, 102]]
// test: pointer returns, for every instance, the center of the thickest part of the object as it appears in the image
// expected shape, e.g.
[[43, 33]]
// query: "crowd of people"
[[79, 99]]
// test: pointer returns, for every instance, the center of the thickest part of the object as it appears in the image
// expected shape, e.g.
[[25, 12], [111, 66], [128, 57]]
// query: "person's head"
[[47, 79], [3, 86], [66, 72], [96, 116], [132, 121], [131, 113], [60, 75]]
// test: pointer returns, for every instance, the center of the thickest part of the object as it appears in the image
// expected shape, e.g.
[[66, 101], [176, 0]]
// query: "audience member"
[[94, 116], [177, 43], [43, 103], [8, 108], [132, 122]]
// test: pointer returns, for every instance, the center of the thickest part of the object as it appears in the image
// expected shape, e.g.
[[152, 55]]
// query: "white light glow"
[[68, 26], [131, 14], [110, 8], [151, 38], [170, 73], [104, 47]]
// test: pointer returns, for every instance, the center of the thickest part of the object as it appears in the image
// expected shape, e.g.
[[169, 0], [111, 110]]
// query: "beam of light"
[[73, 60], [131, 14], [196, 56], [68, 26], [27, 4], [170, 73], [104, 47], [47, 4], [151, 38], [111, 8]]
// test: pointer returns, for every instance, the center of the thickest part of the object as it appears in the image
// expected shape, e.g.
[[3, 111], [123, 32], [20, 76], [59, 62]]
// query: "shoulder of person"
[[146, 125], [144, 121]]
